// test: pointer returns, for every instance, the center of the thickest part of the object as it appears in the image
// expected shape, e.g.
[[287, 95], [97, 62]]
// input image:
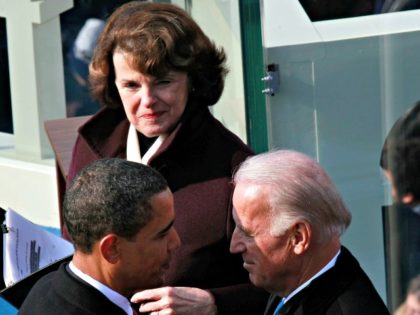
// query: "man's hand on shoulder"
[[175, 301]]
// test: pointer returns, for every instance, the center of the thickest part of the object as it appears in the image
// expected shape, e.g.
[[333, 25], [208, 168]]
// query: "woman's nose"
[[148, 97]]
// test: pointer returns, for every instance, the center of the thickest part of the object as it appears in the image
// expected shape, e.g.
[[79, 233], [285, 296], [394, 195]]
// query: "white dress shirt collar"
[[114, 297], [327, 267], [133, 147]]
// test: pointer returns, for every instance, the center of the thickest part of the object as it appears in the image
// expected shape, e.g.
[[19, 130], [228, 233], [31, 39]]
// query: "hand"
[[175, 301]]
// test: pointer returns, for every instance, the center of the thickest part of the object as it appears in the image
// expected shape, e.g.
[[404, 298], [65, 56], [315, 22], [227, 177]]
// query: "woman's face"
[[153, 105]]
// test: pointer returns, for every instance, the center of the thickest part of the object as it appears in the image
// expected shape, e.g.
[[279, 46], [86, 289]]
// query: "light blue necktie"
[[279, 306]]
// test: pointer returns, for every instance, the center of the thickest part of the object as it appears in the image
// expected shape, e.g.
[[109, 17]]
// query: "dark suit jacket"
[[197, 160], [62, 293], [402, 248], [345, 289]]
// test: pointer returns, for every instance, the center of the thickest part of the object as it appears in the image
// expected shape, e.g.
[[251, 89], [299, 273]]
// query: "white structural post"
[[36, 70]]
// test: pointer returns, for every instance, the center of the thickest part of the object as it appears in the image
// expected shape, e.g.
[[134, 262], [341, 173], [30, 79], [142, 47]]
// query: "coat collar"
[[106, 132], [322, 291]]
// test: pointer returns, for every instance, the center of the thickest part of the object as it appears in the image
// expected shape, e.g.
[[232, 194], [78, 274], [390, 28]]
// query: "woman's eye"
[[163, 82], [131, 85]]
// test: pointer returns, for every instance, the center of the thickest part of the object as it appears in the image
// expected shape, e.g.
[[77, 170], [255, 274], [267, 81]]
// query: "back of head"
[[300, 190], [110, 196], [401, 153], [158, 38]]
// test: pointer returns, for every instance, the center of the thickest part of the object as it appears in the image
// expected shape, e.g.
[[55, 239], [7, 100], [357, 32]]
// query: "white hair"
[[299, 189]]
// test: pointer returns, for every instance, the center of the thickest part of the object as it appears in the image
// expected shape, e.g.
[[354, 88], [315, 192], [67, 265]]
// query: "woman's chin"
[[151, 132]]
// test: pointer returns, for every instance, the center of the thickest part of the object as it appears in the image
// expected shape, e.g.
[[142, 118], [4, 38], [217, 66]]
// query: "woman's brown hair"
[[158, 38]]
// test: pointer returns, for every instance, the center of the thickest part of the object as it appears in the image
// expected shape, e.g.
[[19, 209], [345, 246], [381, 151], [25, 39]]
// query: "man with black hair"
[[400, 162], [120, 216]]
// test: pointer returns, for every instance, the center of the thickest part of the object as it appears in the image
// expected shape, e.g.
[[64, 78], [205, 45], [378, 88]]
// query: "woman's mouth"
[[151, 115]]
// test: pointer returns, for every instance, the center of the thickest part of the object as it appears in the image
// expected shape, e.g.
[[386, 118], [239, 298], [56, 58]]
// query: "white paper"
[[28, 247]]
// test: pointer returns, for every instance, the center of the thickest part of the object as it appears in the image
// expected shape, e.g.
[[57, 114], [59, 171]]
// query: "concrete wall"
[[28, 186]]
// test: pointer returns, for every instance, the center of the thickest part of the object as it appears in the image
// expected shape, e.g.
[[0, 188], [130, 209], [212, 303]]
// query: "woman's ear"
[[301, 236], [109, 248]]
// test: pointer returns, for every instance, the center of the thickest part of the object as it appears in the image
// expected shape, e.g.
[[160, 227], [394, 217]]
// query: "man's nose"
[[236, 245], [175, 240]]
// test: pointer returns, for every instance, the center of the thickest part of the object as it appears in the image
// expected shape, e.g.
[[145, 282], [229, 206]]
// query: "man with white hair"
[[289, 218]]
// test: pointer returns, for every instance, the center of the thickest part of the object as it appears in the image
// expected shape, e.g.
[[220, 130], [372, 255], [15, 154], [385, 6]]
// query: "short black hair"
[[401, 153], [110, 195]]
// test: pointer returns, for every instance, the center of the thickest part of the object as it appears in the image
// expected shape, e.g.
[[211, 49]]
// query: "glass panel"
[[80, 27], [220, 21], [343, 84]]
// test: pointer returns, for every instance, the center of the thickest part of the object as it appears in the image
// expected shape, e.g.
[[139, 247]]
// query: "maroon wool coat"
[[197, 161]]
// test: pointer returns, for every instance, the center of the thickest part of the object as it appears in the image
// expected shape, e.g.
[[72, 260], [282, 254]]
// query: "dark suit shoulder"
[[59, 292], [345, 289]]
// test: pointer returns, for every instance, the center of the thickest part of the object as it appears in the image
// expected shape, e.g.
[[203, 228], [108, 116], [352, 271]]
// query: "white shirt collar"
[[114, 297], [133, 147], [304, 285]]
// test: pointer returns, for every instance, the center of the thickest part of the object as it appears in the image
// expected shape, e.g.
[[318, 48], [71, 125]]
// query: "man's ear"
[[109, 248], [301, 235]]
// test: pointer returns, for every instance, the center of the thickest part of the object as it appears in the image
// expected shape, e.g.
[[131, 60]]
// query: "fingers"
[[152, 294], [156, 301], [175, 300], [163, 312], [154, 306]]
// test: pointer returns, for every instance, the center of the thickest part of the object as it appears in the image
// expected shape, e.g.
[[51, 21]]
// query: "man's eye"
[[163, 235], [244, 232]]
